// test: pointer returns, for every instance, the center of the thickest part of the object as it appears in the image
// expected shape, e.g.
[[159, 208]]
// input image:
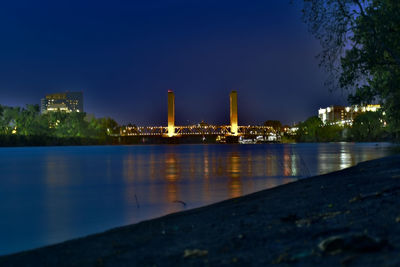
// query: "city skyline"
[[125, 57]]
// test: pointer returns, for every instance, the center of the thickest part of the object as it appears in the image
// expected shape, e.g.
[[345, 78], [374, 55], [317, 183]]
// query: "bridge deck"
[[195, 130]]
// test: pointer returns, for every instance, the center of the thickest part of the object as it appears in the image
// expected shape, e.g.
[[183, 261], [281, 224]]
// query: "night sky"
[[125, 55]]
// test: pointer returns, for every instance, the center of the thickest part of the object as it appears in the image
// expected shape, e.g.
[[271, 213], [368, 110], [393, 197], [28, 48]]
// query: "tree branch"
[[358, 3]]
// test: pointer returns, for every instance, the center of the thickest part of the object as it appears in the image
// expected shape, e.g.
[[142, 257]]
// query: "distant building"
[[343, 115], [67, 102], [202, 124]]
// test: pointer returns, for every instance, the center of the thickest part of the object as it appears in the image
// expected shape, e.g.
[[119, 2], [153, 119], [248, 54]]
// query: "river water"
[[52, 194]]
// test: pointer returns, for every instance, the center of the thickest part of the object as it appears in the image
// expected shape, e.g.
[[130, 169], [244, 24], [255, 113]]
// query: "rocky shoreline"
[[350, 217]]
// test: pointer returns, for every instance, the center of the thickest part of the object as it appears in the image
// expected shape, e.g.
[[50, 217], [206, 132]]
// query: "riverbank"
[[347, 217]]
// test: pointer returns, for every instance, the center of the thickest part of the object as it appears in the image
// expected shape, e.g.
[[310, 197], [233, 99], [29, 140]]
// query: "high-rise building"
[[67, 102], [343, 115], [233, 112], [171, 113]]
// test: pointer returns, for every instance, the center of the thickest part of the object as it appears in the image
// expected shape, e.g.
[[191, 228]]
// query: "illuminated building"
[[67, 102], [234, 112], [171, 113], [343, 115], [202, 124], [335, 114]]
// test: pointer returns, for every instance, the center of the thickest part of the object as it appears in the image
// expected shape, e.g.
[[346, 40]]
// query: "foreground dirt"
[[350, 217]]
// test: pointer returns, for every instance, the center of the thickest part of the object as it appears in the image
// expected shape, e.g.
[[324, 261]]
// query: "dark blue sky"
[[125, 55]]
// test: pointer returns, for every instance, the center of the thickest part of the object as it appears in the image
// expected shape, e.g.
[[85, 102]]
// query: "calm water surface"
[[51, 194]]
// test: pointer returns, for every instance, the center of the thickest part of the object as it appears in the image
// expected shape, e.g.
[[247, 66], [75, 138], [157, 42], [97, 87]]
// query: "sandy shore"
[[350, 217]]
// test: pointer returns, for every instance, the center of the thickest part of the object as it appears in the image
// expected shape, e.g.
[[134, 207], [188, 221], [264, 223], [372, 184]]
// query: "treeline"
[[367, 127], [27, 126]]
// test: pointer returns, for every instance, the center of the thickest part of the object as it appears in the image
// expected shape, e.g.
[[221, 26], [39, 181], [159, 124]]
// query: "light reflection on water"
[[52, 194]]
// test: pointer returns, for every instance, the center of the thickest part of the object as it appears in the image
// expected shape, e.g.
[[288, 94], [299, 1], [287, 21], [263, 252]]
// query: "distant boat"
[[247, 141], [259, 139]]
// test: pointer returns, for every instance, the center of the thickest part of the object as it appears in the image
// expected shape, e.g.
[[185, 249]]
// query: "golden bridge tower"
[[171, 113], [234, 112]]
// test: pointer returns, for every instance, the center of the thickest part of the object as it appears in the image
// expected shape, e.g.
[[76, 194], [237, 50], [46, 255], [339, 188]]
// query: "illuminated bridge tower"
[[234, 113], [171, 113]]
